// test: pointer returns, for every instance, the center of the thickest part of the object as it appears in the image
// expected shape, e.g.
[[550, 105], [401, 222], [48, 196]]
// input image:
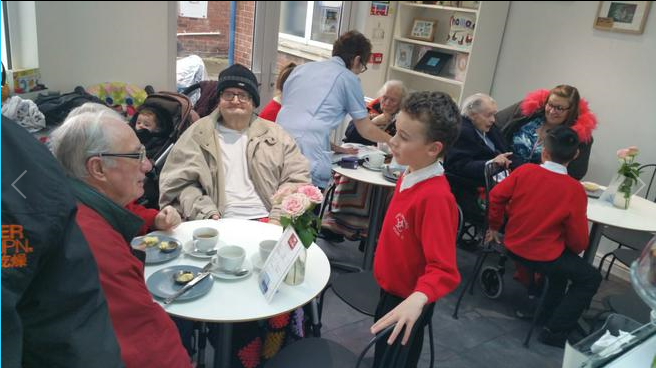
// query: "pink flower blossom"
[[312, 193], [633, 151], [295, 205], [623, 153], [283, 192]]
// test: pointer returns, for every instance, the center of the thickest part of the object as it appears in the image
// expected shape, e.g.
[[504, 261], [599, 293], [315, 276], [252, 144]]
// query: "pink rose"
[[295, 205], [633, 151], [283, 192], [312, 193], [623, 153]]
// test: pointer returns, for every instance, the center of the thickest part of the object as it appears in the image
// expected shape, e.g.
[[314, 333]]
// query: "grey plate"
[[153, 254], [162, 285], [389, 174]]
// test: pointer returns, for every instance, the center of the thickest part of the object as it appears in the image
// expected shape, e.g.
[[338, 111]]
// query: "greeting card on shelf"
[[458, 66], [279, 262], [404, 55], [461, 33]]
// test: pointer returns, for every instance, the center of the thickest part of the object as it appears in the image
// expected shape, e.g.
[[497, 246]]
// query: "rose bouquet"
[[628, 176], [298, 205]]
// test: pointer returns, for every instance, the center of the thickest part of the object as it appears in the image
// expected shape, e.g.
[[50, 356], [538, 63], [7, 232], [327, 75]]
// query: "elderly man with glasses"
[[106, 165], [230, 163]]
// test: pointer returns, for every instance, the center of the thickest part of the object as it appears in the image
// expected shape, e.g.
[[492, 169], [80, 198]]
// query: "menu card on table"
[[279, 263]]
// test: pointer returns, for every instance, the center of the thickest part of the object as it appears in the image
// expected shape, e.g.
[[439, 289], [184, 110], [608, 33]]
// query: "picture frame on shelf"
[[432, 62], [404, 53], [423, 29], [622, 16]]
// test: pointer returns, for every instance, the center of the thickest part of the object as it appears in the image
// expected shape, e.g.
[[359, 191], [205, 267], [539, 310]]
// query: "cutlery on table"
[[201, 275]]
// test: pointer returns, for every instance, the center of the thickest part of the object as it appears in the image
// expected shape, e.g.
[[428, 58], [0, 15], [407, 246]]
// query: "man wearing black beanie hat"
[[230, 163]]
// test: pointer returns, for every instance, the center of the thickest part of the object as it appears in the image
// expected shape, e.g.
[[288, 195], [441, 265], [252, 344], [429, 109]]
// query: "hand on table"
[[167, 219], [346, 150], [405, 314], [215, 217]]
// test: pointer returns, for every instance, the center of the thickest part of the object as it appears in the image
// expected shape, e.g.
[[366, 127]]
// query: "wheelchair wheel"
[[491, 281]]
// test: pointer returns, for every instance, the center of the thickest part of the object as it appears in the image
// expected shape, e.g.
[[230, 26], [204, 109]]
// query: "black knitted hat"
[[238, 76]]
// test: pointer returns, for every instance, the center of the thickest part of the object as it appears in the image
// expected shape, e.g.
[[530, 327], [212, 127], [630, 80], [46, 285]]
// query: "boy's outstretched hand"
[[492, 235], [405, 314]]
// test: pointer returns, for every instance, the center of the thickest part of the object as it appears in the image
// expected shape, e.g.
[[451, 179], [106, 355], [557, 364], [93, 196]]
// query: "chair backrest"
[[491, 170], [396, 354], [649, 173]]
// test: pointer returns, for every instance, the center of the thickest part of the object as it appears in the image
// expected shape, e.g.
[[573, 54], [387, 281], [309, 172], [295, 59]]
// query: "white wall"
[[551, 43], [86, 43], [21, 18]]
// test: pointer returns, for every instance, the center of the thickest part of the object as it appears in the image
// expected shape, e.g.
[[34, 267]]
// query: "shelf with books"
[[432, 44], [441, 7], [429, 76]]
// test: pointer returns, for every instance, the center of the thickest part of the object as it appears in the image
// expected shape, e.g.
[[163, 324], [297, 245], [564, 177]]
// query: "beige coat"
[[192, 179]]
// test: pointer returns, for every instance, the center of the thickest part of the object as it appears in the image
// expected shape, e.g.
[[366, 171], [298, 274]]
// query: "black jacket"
[[469, 153], [54, 313]]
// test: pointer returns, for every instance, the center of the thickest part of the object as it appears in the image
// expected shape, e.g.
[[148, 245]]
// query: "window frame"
[[307, 40]]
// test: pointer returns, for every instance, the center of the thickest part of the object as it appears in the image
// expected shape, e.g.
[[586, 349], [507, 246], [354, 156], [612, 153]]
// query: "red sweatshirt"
[[546, 212], [416, 249], [146, 214]]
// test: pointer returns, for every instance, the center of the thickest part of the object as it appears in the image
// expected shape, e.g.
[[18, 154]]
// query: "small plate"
[[366, 166], [218, 274], [162, 285], [257, 261], [190, 250], [390, 174], [153, 254]]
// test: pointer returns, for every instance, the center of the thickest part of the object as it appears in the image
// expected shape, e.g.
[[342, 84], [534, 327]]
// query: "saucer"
[[153, 254], [366, 166], [190, 250], [258, 263], [161, 283], [221, 275]]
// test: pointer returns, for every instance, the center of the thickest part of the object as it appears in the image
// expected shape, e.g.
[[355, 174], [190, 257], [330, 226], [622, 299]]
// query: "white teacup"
[[205, 238], [266, 247], [229, 258], [374, 160]]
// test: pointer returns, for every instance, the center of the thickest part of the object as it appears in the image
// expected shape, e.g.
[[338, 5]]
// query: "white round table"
[[641, 216], [378, 182], [240, 300]]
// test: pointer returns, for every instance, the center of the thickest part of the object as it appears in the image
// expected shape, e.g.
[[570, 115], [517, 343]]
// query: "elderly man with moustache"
[[106, 165]]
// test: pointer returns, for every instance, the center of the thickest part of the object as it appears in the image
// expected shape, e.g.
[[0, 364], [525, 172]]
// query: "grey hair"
[[95, 108], [80, 137], [472, 104], [393, 83]]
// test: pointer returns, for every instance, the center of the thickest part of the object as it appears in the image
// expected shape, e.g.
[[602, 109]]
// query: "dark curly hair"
[[438, 112], [352, 44]]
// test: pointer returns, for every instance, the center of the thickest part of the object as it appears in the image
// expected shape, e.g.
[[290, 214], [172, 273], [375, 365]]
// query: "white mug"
[[266, 247], [205, 238], [229, 258], [374, 160]]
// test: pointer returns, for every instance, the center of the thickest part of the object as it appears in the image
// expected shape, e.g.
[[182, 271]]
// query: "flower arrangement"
[[629, 173], [297, 205]]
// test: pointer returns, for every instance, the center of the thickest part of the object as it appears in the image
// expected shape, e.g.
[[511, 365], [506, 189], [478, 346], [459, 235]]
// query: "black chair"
[[629, 242], [322, 353], [491, 277]]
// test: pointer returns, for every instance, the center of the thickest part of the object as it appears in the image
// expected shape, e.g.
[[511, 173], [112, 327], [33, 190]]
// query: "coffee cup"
[[205, 238], [374, 160], [229, 258], [266, 247]]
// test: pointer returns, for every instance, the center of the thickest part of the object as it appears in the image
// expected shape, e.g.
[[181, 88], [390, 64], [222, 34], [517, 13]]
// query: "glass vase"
[[296, 274], [620, 190]]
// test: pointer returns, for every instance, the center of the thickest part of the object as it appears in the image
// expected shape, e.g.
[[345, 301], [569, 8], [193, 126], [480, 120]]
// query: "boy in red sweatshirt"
[[547, 227], [415, 261]]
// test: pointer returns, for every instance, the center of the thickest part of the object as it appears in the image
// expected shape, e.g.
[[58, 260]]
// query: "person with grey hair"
[[480, 141], [106, 165]]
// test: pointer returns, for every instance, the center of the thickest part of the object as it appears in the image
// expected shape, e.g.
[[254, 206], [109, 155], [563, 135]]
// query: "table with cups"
[[234, 296], [370, 174]]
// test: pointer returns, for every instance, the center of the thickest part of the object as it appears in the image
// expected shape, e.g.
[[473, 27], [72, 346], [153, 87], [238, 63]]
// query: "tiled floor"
[[487, 334]]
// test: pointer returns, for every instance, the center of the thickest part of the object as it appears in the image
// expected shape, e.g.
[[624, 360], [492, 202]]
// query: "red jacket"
[[546, 212], [270, 111], [146, 334], [417, 245], [146, 214]]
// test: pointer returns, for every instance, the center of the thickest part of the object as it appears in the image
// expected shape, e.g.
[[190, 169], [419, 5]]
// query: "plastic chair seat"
[[631, 238], [316, 353], [359, 290]]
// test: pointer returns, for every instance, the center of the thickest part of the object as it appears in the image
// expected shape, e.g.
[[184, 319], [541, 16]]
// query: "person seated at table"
[[349, 213], [479, 141], [415, 263], [230, 163], [525, 123], [107, 164], [271, 110], [546, 230]]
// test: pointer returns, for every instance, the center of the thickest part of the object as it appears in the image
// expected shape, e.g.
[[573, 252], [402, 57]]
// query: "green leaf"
[[285, 221], [306, 236]]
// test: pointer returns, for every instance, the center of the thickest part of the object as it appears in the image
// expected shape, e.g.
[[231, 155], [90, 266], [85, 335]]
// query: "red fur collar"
[[583, 126]]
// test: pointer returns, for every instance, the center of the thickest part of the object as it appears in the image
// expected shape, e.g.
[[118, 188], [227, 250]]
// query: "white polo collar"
[[555, 167], [415, 177]]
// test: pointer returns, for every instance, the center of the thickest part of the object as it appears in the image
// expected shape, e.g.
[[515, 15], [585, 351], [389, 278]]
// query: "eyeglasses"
[[141, 155], [229, 96], [557, 108], [364, 67]]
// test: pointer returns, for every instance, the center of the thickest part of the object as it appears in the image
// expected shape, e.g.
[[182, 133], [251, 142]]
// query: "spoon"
[[240, 272], [210, 252]]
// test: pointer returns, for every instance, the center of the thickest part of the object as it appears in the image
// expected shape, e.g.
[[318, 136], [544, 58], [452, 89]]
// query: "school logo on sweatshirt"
[[401, 225]]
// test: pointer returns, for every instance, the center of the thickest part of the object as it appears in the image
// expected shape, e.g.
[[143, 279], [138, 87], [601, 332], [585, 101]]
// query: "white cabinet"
[[470, 68]]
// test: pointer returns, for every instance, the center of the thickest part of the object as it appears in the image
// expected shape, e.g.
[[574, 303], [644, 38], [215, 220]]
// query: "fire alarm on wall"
[[376, 58]]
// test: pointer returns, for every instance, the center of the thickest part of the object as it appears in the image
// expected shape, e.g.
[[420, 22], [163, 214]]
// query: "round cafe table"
[[641, 216], [230, 301]]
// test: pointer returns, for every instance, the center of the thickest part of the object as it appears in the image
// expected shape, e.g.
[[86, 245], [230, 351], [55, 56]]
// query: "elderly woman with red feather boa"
[[524, 124]]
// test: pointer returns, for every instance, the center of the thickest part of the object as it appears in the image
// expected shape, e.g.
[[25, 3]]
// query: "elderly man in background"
[[480, 141], [107, 164], [230, 163]]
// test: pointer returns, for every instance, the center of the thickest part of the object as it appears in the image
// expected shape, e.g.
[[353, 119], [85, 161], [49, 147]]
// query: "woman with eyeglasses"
[[318, 95], [525, 123]]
